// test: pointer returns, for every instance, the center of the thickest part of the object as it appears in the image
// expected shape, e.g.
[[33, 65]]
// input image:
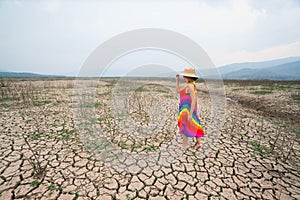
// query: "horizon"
[[118, 75]]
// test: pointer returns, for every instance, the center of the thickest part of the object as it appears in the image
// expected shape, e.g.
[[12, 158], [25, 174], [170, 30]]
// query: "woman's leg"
[[184, 141], [198, 143]]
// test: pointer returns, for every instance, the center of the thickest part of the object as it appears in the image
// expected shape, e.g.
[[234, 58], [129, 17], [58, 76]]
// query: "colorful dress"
[[192, 128]]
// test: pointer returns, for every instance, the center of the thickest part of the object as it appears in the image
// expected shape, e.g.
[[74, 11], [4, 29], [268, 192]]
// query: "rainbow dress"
[[192, 128]]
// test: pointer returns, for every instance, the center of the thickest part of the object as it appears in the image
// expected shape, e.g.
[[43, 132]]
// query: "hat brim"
[[189, 75]]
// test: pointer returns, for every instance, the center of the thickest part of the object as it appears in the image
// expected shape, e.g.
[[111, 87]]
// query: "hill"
[[256, 65], [25, 75], [287, 71]]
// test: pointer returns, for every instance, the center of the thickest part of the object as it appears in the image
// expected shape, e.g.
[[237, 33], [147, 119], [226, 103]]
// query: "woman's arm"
[[177, 83], [193, 97]]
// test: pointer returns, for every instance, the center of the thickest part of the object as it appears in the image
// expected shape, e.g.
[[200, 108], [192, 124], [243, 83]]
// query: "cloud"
[[17, 3], [50, 6], [236, 18], [270, 31]]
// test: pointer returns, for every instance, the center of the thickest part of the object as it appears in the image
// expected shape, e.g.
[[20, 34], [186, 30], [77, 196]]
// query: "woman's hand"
[[189, 117], [177, 76]]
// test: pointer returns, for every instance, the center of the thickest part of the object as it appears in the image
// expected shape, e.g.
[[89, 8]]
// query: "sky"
[[57, 36]]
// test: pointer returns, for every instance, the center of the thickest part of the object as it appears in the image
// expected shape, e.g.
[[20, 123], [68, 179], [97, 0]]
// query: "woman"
[[188, 121]]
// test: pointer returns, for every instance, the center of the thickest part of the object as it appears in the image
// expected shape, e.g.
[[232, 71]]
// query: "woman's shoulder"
[[191, 87]]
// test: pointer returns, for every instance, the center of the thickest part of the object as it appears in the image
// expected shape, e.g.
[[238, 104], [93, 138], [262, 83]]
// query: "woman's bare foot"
[[183, 145], [197, 146]]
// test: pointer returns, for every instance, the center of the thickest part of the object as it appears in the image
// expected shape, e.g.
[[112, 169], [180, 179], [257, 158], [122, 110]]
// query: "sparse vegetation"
[[7, 99], [76, 196], [35, 183], [296, 97], [258, 149], [261, 92], [149, 148]]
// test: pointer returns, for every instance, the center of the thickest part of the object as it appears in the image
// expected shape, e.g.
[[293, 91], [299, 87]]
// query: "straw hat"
[[189, 72]]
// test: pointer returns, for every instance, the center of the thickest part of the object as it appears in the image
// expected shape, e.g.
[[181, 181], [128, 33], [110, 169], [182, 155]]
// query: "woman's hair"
[[192, 78]]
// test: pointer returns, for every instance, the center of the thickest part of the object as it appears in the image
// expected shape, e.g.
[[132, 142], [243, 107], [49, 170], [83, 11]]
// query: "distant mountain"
[[280, 69], [25, 75], [289, 68], [286, 71], [256, 65]]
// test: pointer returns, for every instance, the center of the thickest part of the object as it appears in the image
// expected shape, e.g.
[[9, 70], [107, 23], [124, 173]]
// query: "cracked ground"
[[44, 155]]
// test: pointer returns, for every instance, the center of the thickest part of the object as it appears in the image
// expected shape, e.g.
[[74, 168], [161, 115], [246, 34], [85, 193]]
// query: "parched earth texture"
[[252, 157]]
